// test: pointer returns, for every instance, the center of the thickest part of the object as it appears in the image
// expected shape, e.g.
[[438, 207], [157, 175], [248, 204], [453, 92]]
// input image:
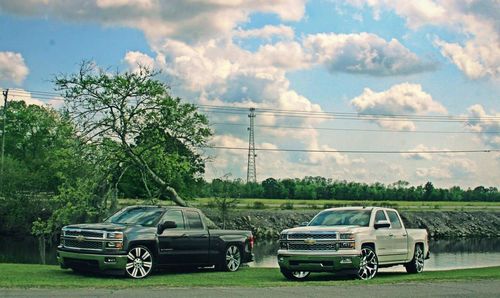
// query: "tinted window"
[[342, 218], [393, 217], [145, 216], [194, 220], [175, 216], [380, 215]]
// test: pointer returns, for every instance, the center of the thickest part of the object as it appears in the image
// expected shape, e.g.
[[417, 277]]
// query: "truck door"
[[383, 243], [173, 242], [198, 238], [398, 237]]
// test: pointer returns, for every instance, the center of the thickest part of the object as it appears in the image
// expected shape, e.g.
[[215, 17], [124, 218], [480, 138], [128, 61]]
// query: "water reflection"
[[445, 254]]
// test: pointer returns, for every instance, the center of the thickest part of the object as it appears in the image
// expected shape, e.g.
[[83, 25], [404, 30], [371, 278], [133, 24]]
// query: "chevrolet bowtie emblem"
[[80, 238], [310, 241]]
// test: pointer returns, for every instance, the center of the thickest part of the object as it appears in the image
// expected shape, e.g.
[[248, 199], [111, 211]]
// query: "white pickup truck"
[[361, 239]]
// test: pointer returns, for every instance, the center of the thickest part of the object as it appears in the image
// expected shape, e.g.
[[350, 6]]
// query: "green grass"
[[47, 276]]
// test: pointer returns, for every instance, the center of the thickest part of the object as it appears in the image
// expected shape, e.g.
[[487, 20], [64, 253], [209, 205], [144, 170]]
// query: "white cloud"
[[401, 99], [135, 59], [12, 68], [418, 155], [364, 53], [267, 32], [478, 20], [486, 124], [180, 19]]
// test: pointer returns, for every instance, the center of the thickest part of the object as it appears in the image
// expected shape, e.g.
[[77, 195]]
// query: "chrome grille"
[[316, 236], [85, 233], [71, 243], [316, 246]]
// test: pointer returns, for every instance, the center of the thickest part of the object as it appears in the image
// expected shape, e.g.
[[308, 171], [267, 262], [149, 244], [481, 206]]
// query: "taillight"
[[251, 241]]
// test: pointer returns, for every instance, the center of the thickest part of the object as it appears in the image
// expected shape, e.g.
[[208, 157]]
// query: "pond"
[[445, 254]]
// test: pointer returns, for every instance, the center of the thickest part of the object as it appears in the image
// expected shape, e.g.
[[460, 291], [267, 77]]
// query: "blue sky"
[[420, 58]]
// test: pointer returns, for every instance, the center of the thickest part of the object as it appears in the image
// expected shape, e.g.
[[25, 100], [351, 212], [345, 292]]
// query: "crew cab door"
[[398, 237], [172, 243], [383, 246], [187, 243]]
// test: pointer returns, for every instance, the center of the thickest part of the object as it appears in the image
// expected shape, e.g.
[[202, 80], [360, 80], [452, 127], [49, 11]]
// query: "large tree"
[[133, 117]]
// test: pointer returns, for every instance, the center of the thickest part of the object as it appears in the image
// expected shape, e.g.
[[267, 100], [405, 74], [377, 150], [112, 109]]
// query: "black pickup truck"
[[138, 239]]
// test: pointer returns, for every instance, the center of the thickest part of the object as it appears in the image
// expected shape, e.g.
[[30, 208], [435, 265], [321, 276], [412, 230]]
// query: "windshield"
[[144, 216], [342, 218]]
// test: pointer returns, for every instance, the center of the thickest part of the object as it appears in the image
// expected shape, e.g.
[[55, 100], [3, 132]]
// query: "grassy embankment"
[[24, 276], [320, 204]]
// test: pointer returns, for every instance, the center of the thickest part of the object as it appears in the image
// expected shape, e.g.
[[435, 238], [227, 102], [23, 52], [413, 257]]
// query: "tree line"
[[320, 188]]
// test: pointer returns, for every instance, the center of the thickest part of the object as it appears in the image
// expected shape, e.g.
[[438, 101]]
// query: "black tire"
[[368, 265], [295, 275], [140, 262], [416, 265], [231, 259]]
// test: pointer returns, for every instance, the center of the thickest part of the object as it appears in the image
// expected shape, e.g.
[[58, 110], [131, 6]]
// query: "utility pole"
[[251, 167], [5, 96]]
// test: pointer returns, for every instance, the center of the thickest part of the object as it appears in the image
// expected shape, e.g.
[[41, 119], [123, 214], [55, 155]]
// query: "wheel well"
[[369, 244], [149, 244]]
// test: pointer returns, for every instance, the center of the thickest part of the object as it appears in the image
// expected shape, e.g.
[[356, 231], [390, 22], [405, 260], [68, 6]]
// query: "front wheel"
[[416, 265], [139, 262], [295, 275], [368, 265]]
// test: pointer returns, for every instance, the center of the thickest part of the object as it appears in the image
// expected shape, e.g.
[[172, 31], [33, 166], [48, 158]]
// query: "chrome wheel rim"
[[139, 262], [368, 264], [300, 274], [233, 258], [419, 259]]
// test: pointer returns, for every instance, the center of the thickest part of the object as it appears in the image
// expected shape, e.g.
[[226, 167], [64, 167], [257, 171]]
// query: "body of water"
[[445, 254]]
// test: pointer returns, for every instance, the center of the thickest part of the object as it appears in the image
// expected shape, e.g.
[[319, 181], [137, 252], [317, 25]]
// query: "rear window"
[[194, 220]]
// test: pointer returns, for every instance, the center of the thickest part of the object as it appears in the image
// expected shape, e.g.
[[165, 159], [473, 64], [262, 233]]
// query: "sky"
[[421, 59]]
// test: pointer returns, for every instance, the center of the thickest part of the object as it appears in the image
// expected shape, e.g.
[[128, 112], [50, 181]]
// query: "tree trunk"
[[41, 248]]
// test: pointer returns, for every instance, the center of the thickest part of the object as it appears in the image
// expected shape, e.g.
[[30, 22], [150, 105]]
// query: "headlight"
[[283, 236], [347, 236], [283, 245], [115, 235]]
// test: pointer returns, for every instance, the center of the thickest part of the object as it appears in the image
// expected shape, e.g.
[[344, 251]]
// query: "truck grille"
[[317, 246], [70, 243], [83, 239], [316, 236], [85, 233]]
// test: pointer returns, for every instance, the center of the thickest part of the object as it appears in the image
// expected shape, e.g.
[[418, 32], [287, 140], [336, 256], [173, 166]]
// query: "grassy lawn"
[[24, 276], [319, 204]]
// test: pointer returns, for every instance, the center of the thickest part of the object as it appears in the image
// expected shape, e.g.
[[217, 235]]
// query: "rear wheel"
[[368, 266], [295, 275], [416, 265], [232, 258], [139, 262]]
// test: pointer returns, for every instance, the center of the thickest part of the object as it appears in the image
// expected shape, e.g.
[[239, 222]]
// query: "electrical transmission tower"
[[251, 168]]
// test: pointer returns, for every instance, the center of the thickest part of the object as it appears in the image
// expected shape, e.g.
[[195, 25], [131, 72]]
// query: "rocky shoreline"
[[267, 224]]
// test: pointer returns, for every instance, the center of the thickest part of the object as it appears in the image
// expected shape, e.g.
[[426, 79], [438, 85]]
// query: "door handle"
[[404, 235], [391, 235]]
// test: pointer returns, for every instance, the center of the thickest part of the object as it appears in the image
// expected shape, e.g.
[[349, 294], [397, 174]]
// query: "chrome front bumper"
[[319, 261]]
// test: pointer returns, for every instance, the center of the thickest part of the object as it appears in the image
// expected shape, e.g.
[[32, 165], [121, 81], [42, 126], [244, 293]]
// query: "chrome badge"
[[309, 241], [80, 238]]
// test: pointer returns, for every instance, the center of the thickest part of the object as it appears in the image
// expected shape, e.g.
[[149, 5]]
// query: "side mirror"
[[303, 224], [382, 224], [166, 225]]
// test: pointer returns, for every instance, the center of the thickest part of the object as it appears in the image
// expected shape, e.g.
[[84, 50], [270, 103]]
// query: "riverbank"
[[267, 224], [49, 276]]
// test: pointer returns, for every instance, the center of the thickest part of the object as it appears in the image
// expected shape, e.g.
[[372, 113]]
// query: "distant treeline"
[[316, 188]]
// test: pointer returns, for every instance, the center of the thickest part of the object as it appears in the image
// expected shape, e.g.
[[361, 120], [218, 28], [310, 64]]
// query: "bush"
[[286, 206], [259, 205]]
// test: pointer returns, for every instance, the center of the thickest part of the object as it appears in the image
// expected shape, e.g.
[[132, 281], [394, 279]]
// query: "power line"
[[358, 129], [359, 151], [299, 113]]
